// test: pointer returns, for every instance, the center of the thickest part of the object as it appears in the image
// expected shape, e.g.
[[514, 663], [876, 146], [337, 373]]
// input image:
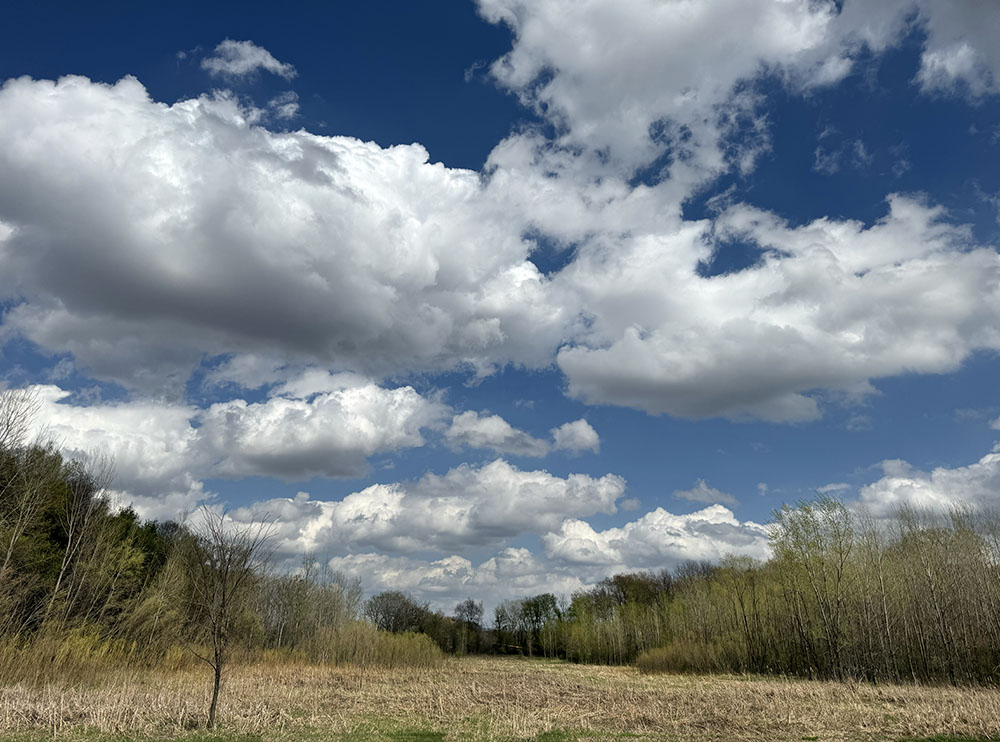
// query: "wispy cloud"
[[701, 492], [243, 59]]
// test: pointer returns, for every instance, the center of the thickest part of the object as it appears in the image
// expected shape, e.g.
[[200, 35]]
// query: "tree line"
[[87, 587], [844, 595]]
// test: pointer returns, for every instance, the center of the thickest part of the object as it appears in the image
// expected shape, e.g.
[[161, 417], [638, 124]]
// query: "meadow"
[[488, 698], [116, 628]]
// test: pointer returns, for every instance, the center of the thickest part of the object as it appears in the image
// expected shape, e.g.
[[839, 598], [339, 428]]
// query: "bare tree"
[[395, 611], [223, 558], [815, 541], [20, 483], [18, 408], [23, 470], [469, 613], [305, 609], [86, 483]]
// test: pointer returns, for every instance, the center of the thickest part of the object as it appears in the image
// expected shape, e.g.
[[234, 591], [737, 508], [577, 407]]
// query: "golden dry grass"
[[495, 699]]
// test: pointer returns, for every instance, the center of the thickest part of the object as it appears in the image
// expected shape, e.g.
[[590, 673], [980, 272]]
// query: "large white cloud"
[[634, 79], [466, 507], [976, 485], [830, 305], [333, 433], [162, 451], [658, 539], [141, 237], [145, 235]]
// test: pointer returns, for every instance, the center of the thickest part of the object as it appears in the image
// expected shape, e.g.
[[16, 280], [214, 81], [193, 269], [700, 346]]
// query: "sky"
[[489, 298]]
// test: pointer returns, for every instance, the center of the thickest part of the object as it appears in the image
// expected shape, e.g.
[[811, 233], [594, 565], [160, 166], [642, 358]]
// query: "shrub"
[[361, 644], [679, 657]]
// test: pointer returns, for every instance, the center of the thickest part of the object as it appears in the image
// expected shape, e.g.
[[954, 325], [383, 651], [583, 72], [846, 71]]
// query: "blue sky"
[[490, 298]]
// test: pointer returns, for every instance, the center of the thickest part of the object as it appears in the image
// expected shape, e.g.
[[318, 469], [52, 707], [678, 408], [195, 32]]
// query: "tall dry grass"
[[74, 658], [361, 645], [82, 657], [495, 699], [677, 657]]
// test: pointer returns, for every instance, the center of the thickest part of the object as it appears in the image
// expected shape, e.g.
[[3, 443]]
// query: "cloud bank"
[[187, 231]]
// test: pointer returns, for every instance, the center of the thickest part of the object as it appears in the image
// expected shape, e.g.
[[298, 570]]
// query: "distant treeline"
[[915, 597]]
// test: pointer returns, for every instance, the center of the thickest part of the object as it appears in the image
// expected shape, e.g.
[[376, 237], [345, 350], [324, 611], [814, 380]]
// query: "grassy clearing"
[[490, 699]]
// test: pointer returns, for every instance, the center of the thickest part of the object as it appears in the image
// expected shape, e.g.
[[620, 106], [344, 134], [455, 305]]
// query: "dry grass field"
[[492, 699]]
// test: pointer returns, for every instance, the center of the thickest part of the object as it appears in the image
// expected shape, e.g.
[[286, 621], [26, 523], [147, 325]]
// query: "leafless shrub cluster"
[[914, 598]]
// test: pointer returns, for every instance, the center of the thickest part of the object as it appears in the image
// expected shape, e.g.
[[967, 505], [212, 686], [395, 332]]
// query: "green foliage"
[[66, 559]]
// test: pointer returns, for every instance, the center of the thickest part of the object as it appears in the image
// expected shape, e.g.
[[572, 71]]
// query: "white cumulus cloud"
[[465, 507], [575, 437], [475, 430], [185, 230], [977, 484], [636, 77], [163, 451], [331, 434], [472, 430], [830, 305], [658, 539]]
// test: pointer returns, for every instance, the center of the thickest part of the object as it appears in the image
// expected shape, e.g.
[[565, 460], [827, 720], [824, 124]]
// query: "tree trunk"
[[215, 694]]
